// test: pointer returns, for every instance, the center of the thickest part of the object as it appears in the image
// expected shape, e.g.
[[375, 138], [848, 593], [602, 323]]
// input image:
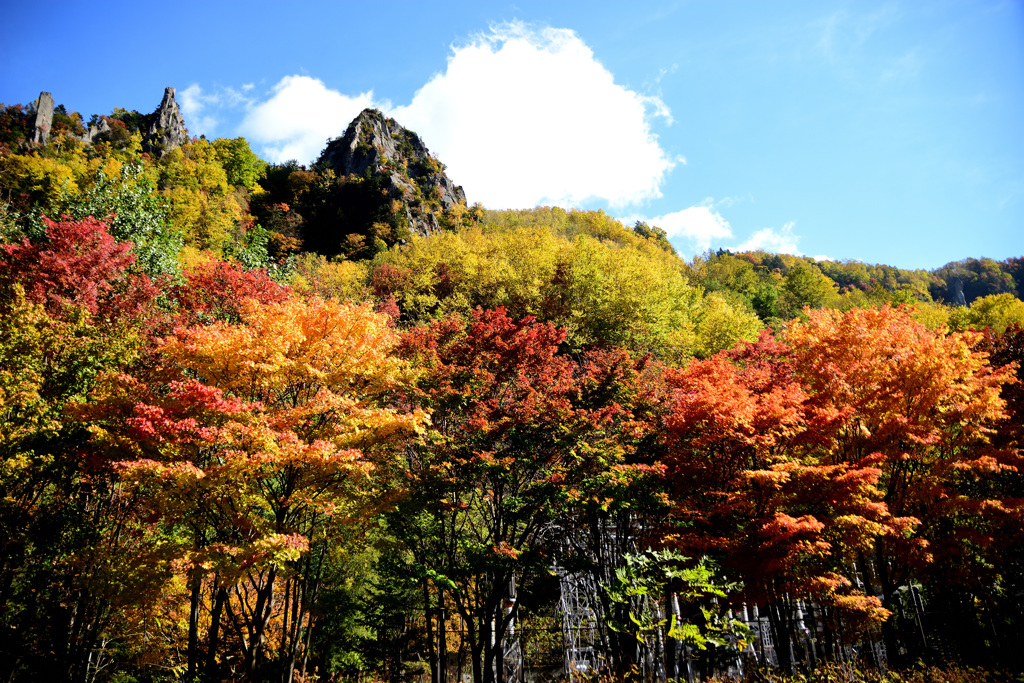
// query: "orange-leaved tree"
[[786, 523], [976, 588], [251, 440], [886, 392]]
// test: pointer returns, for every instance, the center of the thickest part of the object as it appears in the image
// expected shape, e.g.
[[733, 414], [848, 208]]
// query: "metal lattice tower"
[[512, 656], [511, 648], [580, 612]]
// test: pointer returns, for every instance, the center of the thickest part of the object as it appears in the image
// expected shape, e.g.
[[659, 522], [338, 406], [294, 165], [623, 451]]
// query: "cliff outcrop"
[[165, 129], [379, 148], [162, 131], [42, 121]]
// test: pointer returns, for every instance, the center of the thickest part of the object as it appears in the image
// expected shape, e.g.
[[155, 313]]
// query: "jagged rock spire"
[[166, 128], [378, 144], [43, 120]]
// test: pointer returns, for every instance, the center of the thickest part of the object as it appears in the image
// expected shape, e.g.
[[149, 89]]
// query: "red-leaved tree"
[[77, 264]]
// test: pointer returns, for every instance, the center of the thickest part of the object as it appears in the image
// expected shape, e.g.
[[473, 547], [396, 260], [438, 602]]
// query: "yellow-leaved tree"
[[997, 311], [600, 282], [250, 441], [202, 202]]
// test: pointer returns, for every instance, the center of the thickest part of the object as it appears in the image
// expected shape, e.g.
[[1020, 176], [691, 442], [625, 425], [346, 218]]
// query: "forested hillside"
[[271, 422]]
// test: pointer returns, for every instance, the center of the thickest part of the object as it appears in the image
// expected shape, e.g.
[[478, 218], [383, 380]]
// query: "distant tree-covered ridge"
[[371, 191]]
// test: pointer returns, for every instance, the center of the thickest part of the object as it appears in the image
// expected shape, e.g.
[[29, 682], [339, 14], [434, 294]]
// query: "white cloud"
[[693, 230], [193, 102], [191, 99], [230, 97], [200, 107], [777, 241], [525, 116], [726, 202], [299, 118], [521, 116], [698, 225]]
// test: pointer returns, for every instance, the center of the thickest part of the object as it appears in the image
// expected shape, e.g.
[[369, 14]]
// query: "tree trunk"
[[499, 643], [442, 639], [779, 619], [476, 649], [220, 597], [671, 663], [890, 632], [261, 617], [193, 625], [431, 645], [487, 634]]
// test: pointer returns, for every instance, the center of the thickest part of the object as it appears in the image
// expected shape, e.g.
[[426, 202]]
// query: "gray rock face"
[[377, 144], [95, 131], [43, 119], [166, 129], [451, 193], [955, 292], [370, 141]]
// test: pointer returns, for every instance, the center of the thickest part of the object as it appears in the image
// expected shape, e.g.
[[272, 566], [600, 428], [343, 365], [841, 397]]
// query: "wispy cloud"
[[193, 103], [782, 241], [906, 66], [201, 108], [728, 202], [829, 30], [694, 229], [848, 42], [842, 31]]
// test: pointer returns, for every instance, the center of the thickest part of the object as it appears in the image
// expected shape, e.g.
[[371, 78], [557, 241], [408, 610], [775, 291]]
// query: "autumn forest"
[[273, 422]]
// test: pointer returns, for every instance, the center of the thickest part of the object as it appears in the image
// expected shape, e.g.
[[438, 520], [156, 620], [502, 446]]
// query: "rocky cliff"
[[162, 131], [377, 147], [42, 122], [165, 129]]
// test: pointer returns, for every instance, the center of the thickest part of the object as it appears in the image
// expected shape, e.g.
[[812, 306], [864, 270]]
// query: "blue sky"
[[887, 132]]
